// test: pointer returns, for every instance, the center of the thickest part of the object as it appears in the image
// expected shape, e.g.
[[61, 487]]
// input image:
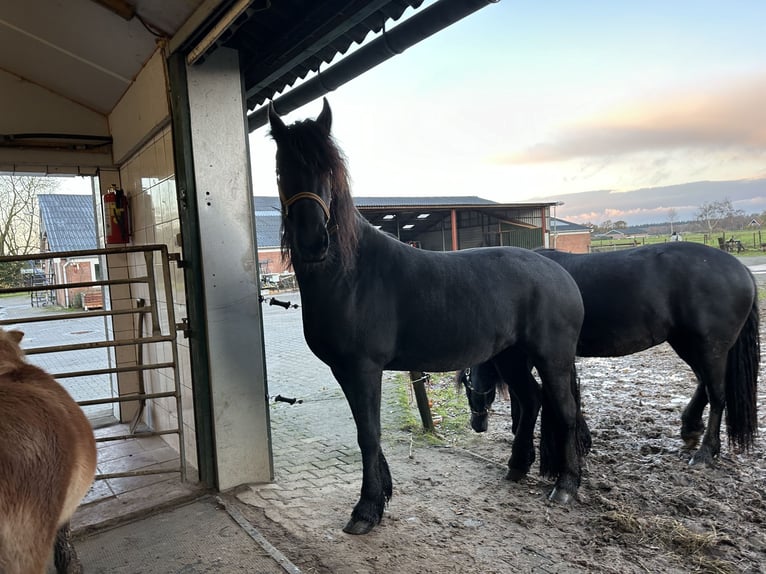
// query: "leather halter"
[[288, 201], [469, 386]]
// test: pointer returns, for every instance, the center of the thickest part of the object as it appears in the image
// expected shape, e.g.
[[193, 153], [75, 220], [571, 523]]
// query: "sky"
[[528, 100]]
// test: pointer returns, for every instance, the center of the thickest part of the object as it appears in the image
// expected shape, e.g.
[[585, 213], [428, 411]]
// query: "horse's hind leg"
[[692, 426], [559, 450], [713, 376], [64, 555], [525, 394], [362, 390]]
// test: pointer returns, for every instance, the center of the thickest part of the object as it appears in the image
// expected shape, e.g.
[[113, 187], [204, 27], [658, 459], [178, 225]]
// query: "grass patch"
[[449, 407], [692, 547]]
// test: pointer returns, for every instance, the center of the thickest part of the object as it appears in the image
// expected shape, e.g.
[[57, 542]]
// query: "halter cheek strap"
[[287, 202], [469, 386]]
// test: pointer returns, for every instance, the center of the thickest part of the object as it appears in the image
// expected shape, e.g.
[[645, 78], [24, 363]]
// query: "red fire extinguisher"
[[116, 216]]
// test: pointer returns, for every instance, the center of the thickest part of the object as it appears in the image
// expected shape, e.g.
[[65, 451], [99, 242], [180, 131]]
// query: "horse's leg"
[[692, 426], [712, 374], [559, 431], [362, 390], [525, 393], [64, 555], [692, 351]]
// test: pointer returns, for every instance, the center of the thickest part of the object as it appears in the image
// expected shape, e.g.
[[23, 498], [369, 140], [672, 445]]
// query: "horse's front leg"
[[362, 389]]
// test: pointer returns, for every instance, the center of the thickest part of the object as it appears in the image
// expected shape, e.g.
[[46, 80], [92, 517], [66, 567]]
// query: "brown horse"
[[47, 464]]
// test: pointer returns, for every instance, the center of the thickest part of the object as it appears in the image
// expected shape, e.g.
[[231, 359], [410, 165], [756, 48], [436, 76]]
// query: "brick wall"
[[573, 242]]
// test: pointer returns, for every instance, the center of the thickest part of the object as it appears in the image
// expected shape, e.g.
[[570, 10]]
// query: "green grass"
[[750, 240], [446, 401]]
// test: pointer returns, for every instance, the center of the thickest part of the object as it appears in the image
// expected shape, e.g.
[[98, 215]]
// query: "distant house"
[[67, 223], [623, 233], [268, 225], [569, 236]]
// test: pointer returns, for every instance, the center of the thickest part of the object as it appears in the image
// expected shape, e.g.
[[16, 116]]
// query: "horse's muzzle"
[[479, 423], [314, 250]]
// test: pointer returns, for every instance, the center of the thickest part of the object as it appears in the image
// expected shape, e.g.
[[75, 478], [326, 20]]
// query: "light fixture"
[[423, 215], [389, 217], [408, 226]]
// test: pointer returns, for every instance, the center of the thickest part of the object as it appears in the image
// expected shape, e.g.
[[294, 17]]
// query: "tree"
[[711, 213], [19, 216], [672, 218], [620, 224]]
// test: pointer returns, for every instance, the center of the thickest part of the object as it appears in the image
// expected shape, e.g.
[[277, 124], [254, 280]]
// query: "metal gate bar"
[[149, 280]]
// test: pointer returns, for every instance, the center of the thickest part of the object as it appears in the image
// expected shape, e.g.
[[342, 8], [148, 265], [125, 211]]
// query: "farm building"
[[67, 224]]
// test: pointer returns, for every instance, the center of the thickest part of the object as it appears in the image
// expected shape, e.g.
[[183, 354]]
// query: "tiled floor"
[[115, 500]]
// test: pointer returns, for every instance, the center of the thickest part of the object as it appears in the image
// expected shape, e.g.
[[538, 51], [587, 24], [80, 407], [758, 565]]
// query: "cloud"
[[730, 117]]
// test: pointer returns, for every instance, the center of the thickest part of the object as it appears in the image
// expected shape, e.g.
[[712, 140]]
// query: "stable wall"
[[143, 149]]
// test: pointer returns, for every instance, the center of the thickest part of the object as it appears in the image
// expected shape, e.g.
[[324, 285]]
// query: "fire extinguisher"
[[116, 216]]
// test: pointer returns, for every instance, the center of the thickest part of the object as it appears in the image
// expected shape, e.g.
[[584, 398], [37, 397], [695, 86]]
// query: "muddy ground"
[[641, 508]]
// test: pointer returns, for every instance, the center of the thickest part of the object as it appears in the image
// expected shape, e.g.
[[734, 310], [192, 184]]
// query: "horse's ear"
[[324, 118], [278, 127], [16, 336]]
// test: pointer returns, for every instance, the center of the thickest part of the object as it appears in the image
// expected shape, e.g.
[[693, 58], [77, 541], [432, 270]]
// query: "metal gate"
[[59, 288]]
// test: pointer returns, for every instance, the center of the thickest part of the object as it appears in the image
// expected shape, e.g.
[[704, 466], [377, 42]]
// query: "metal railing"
[[150, 309]]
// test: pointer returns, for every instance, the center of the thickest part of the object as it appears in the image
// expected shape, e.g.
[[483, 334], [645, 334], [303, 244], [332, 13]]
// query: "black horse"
[[372, 303], [701, 300]]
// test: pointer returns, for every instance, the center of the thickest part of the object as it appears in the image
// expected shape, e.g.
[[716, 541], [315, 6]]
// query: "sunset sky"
[[529, 100]]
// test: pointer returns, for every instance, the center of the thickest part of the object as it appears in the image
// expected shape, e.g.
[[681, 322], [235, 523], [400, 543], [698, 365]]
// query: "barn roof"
[[564, 226], [376, 209], [67, 221]]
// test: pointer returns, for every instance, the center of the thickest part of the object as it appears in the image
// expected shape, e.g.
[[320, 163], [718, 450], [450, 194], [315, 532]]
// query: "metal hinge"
[[183, 326], [176, 257]]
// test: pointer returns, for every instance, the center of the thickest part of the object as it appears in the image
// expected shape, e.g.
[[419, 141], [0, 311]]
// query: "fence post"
[[418, 380]]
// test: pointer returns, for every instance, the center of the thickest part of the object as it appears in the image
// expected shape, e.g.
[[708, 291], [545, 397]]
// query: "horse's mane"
[[309, 144]]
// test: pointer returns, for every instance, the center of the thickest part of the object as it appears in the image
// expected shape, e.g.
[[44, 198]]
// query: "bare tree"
[[711, 213], [672, 218], [19, 217]]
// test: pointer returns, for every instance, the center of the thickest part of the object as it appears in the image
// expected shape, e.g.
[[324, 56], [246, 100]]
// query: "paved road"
[[64, 331]]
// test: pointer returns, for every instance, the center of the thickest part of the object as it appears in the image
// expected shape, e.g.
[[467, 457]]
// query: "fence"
[[61, 360]]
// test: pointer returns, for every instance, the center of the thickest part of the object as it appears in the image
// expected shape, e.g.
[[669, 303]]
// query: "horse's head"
[[307, 162], [480, 391]]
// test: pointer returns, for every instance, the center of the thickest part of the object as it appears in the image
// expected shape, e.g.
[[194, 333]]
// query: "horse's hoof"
[[515, 474], [560, 496], [358, 526], [701, 458]]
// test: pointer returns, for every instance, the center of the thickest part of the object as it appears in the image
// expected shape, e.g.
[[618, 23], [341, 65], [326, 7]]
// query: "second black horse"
[[701, 300]]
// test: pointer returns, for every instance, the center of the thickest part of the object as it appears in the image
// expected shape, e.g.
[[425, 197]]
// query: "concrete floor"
[[172, 541]]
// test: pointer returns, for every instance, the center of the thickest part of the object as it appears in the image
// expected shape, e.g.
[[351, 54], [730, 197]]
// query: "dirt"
[[641, 508]]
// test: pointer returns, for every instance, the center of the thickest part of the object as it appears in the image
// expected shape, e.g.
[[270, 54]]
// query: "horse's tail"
[[742, 382], [551, 429]]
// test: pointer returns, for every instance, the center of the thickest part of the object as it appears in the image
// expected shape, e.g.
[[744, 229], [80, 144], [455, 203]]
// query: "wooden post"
[[418, 380]]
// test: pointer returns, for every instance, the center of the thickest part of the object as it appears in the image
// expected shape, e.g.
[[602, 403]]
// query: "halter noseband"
[[288, 201], [469, 386]]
